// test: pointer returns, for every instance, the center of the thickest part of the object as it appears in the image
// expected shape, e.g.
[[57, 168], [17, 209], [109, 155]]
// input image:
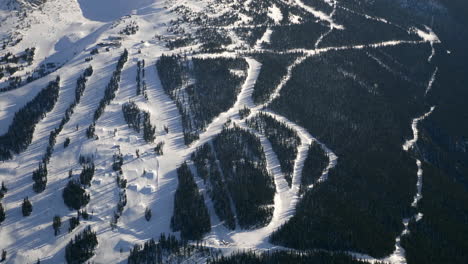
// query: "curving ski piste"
[[152, 179]]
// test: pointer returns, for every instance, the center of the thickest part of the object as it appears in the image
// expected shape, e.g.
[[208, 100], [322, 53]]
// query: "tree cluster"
[[190, 215], [314, 165], [209, 171], [274, 68], [3, 191], [140, 79], [167, 250], [284, 141], [75, 196], [139, 120], [279, 257], [243, 165], [109, 93], [214, 90], [368, 193], [82, 247], [21, 130], [87, 174]]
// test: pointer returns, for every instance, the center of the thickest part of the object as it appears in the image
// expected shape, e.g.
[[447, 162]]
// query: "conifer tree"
[[56, 224], [26, 207], [2, 213]]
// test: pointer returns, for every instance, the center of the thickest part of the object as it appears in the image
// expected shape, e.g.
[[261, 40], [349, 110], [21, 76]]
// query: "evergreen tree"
[[40, 178], [26, 207], [56, 224], [2, 213], [148, 214], [66, 142]]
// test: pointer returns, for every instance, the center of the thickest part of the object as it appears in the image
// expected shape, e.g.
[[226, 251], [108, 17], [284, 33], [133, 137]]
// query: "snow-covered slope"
[[65, 32]]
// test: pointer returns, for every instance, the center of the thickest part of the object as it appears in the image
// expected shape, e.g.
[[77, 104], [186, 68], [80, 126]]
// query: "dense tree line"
[[109, 93], [190, 216], [121, 185], [81, 248], [443, 142], [212, 39], [445, 212], [250, 35], [314, 165], [360, 30], [209, 171], [243, 165], [40, 175], [284, 141], [296, 36], [274, 68], [214, 90], [167, 250], [361, 205], [139, 120], [140, 79], [20, 133], [279, 257]]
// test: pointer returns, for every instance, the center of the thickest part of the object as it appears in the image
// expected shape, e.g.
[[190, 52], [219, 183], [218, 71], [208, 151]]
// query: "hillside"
[[226, 131]]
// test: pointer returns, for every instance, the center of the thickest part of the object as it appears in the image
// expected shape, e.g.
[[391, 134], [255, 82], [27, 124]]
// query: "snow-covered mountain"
[[324, 129]]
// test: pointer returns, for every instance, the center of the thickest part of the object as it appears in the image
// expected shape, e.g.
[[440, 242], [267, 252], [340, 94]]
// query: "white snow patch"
[[275, 13]]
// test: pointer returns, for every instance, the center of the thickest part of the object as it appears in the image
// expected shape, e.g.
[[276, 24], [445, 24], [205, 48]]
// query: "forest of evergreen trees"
[[109, 93], [208, 169], [21, 130], [81, 248], [214, 90], [190, 215], [274, 68], [280, 257], [314, 165], [167, 250], [361, 205], [284, 141], [296, 36], [243, 165]]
